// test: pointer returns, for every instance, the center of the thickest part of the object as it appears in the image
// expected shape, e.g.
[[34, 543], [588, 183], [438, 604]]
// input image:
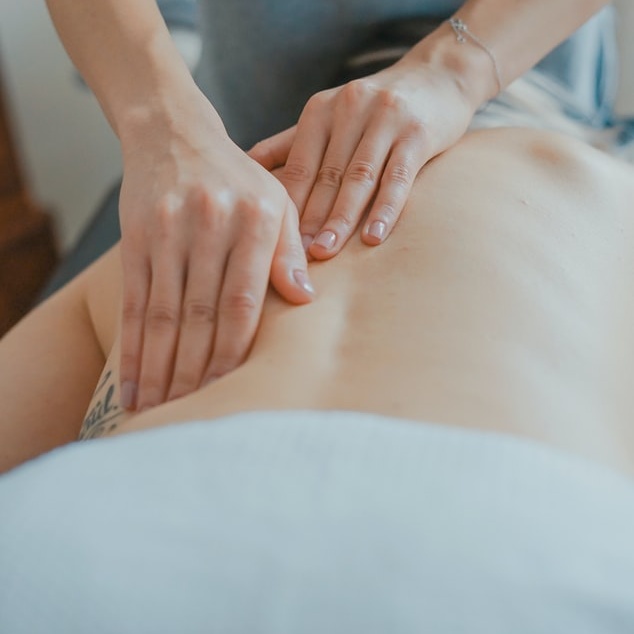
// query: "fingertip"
[[375, 233], [294, 286], [129, 390], [325, 245], [301, 280]]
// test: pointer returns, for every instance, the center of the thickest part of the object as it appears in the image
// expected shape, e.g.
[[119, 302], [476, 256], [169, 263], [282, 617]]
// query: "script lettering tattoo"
[[103, 415]]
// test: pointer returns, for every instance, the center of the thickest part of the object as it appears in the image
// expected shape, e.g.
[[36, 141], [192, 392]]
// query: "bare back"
[[502, 301]]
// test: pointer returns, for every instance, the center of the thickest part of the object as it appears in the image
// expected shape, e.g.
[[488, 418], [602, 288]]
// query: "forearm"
[[518, 33], [125, 53]]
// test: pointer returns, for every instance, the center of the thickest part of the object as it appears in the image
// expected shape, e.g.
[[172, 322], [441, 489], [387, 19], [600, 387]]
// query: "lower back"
[[499, 302]]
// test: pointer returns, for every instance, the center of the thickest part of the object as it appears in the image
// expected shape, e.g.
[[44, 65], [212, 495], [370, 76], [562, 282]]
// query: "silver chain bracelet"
[[462, 33]]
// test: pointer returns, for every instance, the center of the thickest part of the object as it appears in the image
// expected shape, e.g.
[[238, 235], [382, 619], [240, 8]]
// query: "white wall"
[[69, 154]]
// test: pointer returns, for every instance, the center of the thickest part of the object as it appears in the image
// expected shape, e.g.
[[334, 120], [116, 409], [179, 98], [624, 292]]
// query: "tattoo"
[[102, 416]]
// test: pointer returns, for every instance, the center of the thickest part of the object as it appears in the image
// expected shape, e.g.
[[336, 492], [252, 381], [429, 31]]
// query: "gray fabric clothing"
[[262, 60], [179, 13]]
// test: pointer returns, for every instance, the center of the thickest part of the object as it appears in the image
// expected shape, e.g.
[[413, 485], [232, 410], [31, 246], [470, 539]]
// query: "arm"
[[518, 34], [125, 53], [204, 227], [362, 144]]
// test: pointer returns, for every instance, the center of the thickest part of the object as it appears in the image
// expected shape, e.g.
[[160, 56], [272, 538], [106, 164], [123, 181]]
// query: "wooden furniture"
[[28, 250]]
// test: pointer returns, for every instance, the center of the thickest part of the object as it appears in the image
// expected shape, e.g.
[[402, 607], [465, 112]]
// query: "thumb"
[[289, 269], [273, 151]]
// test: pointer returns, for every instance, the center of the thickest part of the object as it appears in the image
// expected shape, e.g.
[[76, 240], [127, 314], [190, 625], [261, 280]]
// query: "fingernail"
[[307, 241], [377, 230], [128, 394], [301, 279], [326, 239]]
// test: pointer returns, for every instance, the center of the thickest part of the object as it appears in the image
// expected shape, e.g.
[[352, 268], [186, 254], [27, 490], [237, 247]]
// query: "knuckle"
[[387, 212], [129, 365], [295, 253], [207, 206], [132, 309], [330, 176], [209, 209], [317, 101], [344, 224], [262, 216], [311, 224], [185, 380], [214, 208], [132, 235], [355, 91], [296, 172], [400, 174], [392, 99], [418, 128], [165, 217], [240, 304], [416, 132], [362, 172], [199, 313], [161, 316]]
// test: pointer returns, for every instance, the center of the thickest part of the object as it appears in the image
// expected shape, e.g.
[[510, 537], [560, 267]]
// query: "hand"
[[204, 227], [362, 144]]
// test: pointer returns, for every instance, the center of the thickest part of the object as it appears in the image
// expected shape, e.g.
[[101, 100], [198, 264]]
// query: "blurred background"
[[69, 155], [66, 153]]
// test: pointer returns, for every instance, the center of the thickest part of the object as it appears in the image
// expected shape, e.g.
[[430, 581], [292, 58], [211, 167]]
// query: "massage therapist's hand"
[[204, 228], [362, 144]]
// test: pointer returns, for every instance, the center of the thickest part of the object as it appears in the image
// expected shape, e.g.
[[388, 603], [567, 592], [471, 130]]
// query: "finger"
[[325, 192], [136, 289], [273, 152], [199, 314], [358, 186], [242, 294], [289, 271], [160, 333], [306, 154], [399, 175]]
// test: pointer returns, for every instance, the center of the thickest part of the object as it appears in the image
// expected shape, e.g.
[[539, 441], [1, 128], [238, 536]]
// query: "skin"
[[501, 303], [200, 244]]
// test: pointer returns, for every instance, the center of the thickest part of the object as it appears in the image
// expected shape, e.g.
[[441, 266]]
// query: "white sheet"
[[314, 522]]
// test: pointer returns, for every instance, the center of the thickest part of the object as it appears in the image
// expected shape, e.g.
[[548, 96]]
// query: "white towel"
[[313, 522]]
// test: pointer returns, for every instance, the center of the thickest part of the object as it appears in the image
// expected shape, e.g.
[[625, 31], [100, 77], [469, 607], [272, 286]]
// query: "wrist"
[[155, 88], [470, 65], [171, 112]]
